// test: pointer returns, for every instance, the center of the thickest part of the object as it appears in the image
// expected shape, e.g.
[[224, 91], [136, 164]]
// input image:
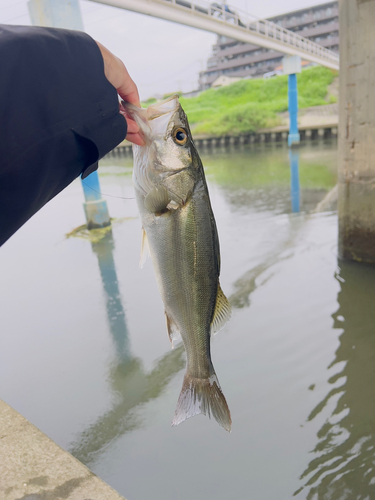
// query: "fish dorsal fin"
[[173, 330], [145, 249], [222, 311], [157, 199]]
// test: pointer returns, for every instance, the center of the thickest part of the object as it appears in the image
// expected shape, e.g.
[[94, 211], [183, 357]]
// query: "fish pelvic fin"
[[173, 330], [202, 396], [222, 311], [145, 249]]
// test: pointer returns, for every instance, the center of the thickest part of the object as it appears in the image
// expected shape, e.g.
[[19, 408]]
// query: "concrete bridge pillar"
[[357, 131]]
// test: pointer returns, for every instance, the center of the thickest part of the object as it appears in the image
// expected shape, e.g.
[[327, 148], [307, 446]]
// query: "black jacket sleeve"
[[58, 116]]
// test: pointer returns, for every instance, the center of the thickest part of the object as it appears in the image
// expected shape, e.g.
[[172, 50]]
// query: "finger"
[[135, 139], [127, 89], [132, 126], [129, 92]]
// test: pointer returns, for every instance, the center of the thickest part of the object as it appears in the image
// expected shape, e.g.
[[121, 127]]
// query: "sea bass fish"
[[180, 231]]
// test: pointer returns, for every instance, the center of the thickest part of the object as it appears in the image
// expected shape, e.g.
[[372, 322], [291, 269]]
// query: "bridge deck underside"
[[208, 17]]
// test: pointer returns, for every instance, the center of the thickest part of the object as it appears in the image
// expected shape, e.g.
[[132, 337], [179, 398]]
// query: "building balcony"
[[307, 16], [242, 61], [320, 29]]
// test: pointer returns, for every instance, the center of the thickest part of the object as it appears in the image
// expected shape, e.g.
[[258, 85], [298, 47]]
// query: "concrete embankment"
[[33, 467], [318, 122]]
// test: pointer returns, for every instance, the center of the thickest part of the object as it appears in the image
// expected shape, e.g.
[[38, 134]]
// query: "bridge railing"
[[234, 16], [272, 30]]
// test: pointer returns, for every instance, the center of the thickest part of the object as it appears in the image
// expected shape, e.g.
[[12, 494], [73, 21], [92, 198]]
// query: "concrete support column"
[[357, 131], [56, 13], [95, 207], [67, 14]]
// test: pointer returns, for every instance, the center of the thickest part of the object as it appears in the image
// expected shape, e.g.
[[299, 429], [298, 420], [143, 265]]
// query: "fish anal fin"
[[222, 311], [173, 330], [145, 249], [157, 200]]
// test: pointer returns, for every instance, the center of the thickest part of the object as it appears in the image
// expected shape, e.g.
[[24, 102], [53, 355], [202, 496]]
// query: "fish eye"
[[180, 136]]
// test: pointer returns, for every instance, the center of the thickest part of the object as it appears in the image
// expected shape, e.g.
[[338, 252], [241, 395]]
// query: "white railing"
[[243, 20], [232, 22]]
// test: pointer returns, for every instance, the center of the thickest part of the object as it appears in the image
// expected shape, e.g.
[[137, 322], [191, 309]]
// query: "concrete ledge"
[[33, 467]]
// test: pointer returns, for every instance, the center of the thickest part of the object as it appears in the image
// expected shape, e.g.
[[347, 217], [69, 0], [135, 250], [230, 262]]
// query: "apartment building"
[[319, 23]]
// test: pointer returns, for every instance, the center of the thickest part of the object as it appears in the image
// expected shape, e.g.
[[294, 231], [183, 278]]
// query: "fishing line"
[[103, 194]]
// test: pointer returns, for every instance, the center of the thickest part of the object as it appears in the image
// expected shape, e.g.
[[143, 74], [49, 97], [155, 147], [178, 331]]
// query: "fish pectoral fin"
[[173, 330], [222, 311], [145, 249], [157, 199]]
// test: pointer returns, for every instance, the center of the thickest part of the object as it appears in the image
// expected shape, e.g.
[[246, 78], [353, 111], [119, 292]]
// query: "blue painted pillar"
[[294, 180], [67, 14], [96, 209], [293, 137], [292, 66]]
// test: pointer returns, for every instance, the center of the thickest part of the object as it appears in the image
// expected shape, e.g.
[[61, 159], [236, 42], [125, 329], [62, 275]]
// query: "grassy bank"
[[248, 105]]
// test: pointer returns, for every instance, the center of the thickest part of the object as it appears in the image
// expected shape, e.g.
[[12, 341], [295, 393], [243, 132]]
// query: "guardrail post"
[[292, 66], [67, 14]]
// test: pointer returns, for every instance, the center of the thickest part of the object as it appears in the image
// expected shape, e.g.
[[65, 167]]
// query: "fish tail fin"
[[202, 395]]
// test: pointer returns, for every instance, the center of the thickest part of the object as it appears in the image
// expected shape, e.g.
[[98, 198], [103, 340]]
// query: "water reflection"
[[263, 177], [131, 386], [250, 281], [344, 463], [294, 179], [257, 276], [115, 311], [127, 379]]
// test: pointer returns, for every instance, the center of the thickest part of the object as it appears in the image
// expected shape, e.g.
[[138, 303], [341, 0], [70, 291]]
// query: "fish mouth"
[[162, 108], [152, 121]]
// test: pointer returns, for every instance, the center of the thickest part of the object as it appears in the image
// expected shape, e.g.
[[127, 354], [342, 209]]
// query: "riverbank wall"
[[277, 134], [318, 122]]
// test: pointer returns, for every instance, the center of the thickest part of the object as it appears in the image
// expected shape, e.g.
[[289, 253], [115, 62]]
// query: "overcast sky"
[[161, 56]]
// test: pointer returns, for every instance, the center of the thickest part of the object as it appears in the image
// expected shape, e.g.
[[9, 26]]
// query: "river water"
[[85, 355]]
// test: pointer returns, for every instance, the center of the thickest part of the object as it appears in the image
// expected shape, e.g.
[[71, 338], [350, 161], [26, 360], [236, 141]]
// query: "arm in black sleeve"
[[58, 116]]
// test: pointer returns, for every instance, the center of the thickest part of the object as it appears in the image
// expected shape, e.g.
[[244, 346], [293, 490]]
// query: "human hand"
[[118, 76]]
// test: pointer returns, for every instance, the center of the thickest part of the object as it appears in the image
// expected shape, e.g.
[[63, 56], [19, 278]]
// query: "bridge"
[[218, 18], [231, 22]]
